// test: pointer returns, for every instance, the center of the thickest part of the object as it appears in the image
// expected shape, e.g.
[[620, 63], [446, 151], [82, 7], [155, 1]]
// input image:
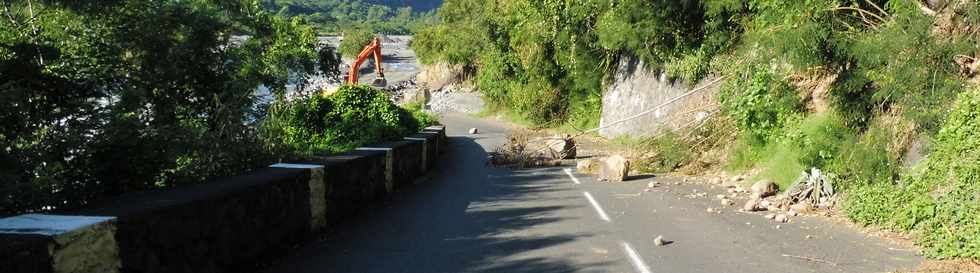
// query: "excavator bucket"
[[380, 83]]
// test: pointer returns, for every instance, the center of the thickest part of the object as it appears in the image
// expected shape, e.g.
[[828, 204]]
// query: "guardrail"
[[228, 225]]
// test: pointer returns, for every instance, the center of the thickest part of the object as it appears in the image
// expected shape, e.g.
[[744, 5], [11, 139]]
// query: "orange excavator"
[[374, 48]]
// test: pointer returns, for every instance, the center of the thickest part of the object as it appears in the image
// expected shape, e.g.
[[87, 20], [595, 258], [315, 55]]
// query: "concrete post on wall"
[[406, 160], [441, 131], [430, 148], [318, 194], [389, 166], [425, 154], [39, 243]]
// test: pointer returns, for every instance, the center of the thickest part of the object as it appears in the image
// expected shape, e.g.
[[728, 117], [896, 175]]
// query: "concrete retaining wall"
[[637, 90], [231, 225], [353, 180]]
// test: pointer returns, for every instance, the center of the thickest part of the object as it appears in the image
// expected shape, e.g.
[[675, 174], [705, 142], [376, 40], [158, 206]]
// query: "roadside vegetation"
[[862, 89], [351, 117], [100, 98]]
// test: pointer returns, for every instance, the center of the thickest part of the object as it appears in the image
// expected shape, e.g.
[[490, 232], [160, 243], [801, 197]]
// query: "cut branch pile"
[[814, 188], [517, 152]]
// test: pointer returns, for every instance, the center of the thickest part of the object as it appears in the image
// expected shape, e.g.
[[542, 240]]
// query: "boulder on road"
[[764, 188], [614, 169], [752, 204], [586, 166], [800, 207], [474, 131]]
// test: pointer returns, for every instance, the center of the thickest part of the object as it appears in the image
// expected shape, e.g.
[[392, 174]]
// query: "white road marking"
[[595, 205], [635, 259], [569, 173]]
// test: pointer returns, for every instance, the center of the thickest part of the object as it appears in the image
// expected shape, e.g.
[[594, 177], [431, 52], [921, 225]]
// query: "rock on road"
[[471, 217]]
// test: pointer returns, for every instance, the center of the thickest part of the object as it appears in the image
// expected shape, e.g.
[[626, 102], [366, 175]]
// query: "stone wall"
[[53, 243], [430, 143], [25, 253], [353, 180], [636, 90], [231, 225], [215, 226]]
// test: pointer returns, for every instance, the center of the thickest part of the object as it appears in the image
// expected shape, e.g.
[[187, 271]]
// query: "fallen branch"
[[877, 7], [628, 195], [811, 259]]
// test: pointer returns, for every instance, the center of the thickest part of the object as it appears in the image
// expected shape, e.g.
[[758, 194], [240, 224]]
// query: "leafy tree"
[[101, 98]]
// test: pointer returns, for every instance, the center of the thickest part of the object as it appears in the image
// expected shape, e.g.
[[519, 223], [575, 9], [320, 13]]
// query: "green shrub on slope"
[[940, 202]]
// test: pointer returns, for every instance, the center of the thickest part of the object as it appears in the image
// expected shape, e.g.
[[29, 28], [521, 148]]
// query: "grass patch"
[[815, 141], [664, 153]]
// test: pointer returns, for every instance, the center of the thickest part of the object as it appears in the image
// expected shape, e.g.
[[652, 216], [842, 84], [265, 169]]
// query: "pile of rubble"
[[453, 98], [404, 91], [813, 190]]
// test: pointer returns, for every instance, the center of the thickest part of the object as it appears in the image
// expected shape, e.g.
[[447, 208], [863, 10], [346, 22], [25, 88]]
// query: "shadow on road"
[[459, 221]]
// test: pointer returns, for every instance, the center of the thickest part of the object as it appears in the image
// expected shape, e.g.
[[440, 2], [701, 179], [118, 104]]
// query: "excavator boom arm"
[[372, 49]]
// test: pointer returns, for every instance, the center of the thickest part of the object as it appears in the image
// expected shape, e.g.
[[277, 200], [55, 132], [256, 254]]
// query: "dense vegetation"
[[99, 98], [338, 17], [847, 86], [351, 117]]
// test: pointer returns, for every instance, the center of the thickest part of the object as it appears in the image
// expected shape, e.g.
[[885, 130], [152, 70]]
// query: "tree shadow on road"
[[466, 219]]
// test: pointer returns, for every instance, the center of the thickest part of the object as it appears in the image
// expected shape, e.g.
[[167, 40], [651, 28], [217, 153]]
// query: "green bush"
[[351, 117], [759, 103], [865, 161]]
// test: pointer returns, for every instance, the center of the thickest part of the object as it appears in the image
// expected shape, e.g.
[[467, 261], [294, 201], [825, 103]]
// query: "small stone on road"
[[659, 241]]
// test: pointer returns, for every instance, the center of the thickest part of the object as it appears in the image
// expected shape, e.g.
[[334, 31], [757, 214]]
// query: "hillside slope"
[[860, 89], [378, 16], [417, 5]]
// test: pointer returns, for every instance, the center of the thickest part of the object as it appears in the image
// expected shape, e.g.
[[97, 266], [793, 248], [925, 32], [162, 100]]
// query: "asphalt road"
[[471, 217]]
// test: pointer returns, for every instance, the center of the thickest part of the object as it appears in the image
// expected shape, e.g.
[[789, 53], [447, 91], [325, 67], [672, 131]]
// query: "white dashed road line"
[[595, 205], [638, 264], [572, 176]]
